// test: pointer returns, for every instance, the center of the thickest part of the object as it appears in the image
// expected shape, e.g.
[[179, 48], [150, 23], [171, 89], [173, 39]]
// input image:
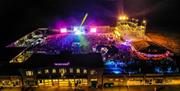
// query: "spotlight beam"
[[84, 19]]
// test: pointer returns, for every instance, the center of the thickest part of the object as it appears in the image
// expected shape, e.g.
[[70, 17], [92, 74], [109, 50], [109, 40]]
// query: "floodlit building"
[[57, 70]]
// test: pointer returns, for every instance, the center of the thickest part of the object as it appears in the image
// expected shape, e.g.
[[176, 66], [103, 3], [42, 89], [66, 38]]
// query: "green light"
[[83, 41]]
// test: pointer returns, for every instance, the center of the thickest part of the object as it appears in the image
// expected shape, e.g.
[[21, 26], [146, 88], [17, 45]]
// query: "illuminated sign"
[[62, 64]]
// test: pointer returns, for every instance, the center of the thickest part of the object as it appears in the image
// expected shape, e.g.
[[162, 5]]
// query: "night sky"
[[19, 17]]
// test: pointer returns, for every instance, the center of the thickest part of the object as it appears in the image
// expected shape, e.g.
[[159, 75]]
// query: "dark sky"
[[19, 17]]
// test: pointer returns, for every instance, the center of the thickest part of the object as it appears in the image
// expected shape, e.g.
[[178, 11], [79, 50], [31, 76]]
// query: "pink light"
[[62, 64], [93, 30], [63, 30]]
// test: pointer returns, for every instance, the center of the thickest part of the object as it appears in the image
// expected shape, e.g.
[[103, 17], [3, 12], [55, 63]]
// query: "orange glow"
[[123, 17], [144, 21]]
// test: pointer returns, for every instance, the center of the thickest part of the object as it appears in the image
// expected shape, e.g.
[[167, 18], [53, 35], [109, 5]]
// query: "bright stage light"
[[123, 17], [79, 30], [93, 30], [63, 30], [76, 29]]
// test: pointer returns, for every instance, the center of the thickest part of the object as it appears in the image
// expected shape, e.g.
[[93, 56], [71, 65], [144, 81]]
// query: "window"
[[85, 71], [39, 72], [78, 70], [71, 70], [48, 82], [29, 73], [110, 79], [40, 81], [92, 72], [62, 70], [53, 70], [46, 71]]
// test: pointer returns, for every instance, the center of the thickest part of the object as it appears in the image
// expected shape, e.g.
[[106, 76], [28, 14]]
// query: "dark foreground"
[[137, 88]]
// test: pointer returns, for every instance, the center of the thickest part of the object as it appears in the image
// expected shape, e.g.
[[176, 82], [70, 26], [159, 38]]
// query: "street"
[[137, 88]]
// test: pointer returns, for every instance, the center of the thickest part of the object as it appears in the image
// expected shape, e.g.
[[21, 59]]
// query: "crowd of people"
[[110, 49], [77, 44]]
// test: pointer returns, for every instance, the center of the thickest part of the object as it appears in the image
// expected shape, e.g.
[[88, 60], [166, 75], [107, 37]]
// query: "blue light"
[[158, 70], [131, 72], [110, 63], [169, 70], [115, 67], [116, 72]]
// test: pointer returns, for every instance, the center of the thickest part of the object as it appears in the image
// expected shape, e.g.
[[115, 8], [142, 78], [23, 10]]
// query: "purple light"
[[62, 64], [93, 30], [127, 42], [63, 30]]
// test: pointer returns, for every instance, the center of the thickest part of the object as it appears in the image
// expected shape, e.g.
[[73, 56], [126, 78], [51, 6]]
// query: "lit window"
[[85, 71], [53, 70], [65, 70], [71, 70], [111, 79], [62, 70], [40, 81], [39, 72], [92, 72], [77, 70], [29, 73], [46, 71], [93, 79]]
